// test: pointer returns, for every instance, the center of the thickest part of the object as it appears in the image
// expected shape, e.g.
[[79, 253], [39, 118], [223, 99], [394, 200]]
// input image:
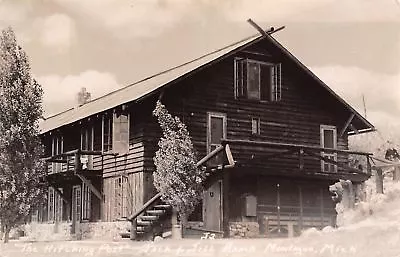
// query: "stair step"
[[143, 223], [162, 206], [155, 212], [140, 229], [125, 234], [149, 218]]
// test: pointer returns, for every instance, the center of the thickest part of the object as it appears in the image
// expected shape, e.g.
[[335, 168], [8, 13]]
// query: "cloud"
[[13, 12], [57, 31], [381, 93], [311, 10], [60, 93], [127, 18]]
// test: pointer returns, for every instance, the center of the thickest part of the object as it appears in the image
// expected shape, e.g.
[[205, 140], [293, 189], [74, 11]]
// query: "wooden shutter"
[[240, 77], [50, 204], [276, 83], [266, 82], [121, 133]]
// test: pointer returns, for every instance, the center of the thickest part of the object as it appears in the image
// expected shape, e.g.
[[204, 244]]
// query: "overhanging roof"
[[148, 85]]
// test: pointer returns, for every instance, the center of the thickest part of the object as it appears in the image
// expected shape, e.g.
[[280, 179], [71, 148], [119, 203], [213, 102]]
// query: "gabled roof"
[[150, 84]]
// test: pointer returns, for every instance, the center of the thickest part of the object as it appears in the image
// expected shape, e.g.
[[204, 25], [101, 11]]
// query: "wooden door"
[[76, 207], [212, 211], [216, 130]]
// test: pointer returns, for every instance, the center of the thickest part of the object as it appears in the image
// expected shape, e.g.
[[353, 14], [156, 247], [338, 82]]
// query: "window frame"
[[275, 90], [332, 128], [107, 146], [224, 127]]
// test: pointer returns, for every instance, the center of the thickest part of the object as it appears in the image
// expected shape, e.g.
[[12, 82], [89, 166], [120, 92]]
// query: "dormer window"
[[257, 80]]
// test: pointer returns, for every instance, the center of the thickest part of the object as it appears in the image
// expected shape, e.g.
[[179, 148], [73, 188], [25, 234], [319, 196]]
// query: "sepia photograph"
[[200, 128]]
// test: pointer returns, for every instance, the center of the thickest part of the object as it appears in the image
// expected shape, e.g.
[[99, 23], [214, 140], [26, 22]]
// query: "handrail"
[[144, 207], [285, 145], [76, 151], [158, 195]]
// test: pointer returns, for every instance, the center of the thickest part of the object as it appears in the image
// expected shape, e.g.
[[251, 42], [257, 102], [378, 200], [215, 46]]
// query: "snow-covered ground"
[[373, 229]]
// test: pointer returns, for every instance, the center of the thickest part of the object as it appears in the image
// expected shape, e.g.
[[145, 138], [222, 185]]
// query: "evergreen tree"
[[177, 176], [20, 145]]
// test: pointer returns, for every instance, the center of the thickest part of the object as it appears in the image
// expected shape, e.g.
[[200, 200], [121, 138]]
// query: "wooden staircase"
[[153, 218], [150, 220]]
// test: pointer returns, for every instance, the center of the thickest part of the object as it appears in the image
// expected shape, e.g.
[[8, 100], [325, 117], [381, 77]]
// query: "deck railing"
[[303, 153]]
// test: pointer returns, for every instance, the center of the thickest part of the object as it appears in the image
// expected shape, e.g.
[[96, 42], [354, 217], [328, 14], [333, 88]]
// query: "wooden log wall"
[[295, 119]]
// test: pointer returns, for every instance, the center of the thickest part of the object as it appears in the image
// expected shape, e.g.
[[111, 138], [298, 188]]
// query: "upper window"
[[107, 133], [257, 80], [328, 140]]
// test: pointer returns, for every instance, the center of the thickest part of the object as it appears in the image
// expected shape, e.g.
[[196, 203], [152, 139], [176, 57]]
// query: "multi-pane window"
[[87, 142], [54, 205], [121, 197], [50, 204], [57, 145], [328, 140], [77, 197], [257, 80], [86, 202], [107, 133]]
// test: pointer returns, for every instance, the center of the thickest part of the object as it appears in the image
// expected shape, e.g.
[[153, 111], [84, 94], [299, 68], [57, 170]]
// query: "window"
[[87, 143], [255, 126], [121, 197], [107, 133], [55, 205], [216, 130], [50, 204], [86, 194], [87, 138], [257, 80], [57, 146], [328, 140], [77, 197]]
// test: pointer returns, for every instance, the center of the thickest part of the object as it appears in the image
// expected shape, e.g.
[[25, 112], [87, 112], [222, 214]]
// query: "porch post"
[[301, 208], [379, 181], [225, 203]]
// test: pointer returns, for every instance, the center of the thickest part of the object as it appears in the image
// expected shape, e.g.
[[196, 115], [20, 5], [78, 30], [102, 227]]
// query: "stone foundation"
[[104, 230], [47, 231], [245, 229], [87, 230]]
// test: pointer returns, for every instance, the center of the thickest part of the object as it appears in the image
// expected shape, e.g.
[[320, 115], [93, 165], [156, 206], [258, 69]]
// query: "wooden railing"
[[301, 151]]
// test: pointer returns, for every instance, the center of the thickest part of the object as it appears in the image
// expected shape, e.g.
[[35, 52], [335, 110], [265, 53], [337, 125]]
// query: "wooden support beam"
[[258, 28], [346, 125], [379, 181], [225, 201], [301, 207], [210, 155], [133, 229], [90, 185], [354, 129], [229, 156]]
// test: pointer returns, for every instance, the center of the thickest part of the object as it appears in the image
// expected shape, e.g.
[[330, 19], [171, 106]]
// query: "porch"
[[75, 194]]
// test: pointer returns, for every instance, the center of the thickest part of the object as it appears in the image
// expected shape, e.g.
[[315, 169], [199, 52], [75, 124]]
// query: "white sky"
[[353, 45]]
